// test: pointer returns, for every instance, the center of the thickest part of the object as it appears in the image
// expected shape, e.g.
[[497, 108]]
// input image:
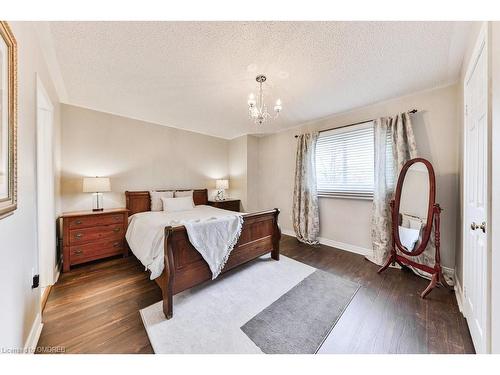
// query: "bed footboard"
[[185, 267]]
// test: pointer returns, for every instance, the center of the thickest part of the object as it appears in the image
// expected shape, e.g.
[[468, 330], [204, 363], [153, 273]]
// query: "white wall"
[[136, 155], [253, 173], [347, 221], [244, 171], [18, 243], [237, 159]]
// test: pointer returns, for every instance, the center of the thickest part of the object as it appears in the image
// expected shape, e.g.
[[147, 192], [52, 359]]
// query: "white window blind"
[[345, 161], [389, 167]]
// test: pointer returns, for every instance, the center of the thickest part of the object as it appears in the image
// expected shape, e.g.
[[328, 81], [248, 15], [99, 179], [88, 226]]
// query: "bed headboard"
[[140, 201]]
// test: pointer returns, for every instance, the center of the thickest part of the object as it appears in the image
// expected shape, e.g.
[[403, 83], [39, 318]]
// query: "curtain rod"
[[356, 123]]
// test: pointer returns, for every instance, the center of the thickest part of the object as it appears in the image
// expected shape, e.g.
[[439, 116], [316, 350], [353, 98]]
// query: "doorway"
[[476, 199], [46, 212]]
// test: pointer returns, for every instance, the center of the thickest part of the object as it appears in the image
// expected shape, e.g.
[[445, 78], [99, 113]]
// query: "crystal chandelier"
[[257, 110]]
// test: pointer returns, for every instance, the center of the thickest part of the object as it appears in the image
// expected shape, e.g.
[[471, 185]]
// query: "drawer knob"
[[78, 252], [78, 222], [78, 235], [116, 218], [116, 230], [116, 244]]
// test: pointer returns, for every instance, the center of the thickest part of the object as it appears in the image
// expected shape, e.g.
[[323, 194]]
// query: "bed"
[[183, 265]]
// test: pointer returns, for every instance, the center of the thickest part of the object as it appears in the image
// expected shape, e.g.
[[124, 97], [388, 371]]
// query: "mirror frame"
[[430, 210], [9, 204]]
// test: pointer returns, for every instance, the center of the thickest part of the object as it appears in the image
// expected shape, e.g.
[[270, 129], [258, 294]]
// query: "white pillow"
[[408, 237], [188, 193], [177, 204], [156, 203]]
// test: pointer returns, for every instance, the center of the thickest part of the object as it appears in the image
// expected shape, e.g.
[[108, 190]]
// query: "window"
[[345, 162]]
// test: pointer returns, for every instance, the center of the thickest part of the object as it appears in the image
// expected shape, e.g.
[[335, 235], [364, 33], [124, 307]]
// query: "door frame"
[[482, 41], [46, 267], [495, 185]]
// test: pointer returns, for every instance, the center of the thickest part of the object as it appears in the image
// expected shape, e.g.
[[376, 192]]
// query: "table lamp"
[[221, 185], [96, 186]]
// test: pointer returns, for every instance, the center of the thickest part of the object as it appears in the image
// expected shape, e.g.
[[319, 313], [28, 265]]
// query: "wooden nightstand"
[[227, 204], [89, 235]]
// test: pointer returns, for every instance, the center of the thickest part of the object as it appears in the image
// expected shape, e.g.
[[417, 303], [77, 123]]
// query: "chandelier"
[[257, 110]]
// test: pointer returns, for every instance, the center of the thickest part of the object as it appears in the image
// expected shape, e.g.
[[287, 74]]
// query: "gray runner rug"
[[301, 319]]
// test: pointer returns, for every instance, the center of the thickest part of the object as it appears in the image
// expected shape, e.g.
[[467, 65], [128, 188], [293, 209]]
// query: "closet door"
[[476, 197]]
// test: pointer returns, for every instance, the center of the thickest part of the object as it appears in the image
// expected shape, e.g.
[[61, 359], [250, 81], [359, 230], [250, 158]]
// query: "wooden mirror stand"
[[402, 255]]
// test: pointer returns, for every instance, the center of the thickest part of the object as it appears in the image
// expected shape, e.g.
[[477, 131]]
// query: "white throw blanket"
[[214, 238], [212, 231]]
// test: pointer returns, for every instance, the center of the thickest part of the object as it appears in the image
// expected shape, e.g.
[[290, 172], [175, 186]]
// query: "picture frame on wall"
[[8, 121]]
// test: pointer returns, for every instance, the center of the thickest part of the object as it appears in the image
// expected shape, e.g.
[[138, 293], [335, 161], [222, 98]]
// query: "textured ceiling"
[[197, 75]]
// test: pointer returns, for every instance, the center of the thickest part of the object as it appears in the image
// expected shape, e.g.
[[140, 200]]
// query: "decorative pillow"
[[408, 237], [187, 193], [177, 204], [156, 203]]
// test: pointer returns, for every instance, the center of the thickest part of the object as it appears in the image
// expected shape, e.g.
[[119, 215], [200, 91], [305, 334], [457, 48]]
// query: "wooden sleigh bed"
[[185, 267]]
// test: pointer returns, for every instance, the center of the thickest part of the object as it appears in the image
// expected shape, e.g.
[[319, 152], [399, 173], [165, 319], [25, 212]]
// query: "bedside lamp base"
[[97, 202], [220, 195]]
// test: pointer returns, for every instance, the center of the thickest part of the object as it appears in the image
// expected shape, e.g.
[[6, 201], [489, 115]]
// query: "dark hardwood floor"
[[387, 314], [95, 308]]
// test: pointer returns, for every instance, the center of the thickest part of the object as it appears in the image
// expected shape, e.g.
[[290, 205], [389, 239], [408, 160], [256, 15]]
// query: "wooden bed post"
[[275, 254], [169, 275]]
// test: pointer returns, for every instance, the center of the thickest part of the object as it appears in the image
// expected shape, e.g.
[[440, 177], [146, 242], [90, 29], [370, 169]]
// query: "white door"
[[46, 214], [476, 198]]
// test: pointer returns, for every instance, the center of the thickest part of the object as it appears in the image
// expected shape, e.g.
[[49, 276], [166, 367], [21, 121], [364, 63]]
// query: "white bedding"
[[146, 232]]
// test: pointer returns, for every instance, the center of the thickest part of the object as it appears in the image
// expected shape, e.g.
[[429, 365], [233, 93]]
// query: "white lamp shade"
[[221, 184], [96, 184]]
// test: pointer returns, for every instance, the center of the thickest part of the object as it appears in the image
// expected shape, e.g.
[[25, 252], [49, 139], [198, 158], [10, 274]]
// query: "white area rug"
[[207, 318]]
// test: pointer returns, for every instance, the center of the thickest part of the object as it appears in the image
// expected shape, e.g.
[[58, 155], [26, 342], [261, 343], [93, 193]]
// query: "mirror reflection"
[[413, 206]]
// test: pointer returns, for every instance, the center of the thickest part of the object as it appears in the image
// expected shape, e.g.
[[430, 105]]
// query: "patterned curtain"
[[399, 130], [305, 198]]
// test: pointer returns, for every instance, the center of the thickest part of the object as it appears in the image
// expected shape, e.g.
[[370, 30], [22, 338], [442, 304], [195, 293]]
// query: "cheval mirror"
[[414, 213]]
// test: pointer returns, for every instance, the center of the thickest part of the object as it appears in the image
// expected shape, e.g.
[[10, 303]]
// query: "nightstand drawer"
[[78, 236], [96, 220], [95, 250], [230, 205]]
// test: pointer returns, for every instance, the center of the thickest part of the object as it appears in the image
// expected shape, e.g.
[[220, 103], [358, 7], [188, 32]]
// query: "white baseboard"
[[34, 336], [336, 244], [459, 295], [344, 246]]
